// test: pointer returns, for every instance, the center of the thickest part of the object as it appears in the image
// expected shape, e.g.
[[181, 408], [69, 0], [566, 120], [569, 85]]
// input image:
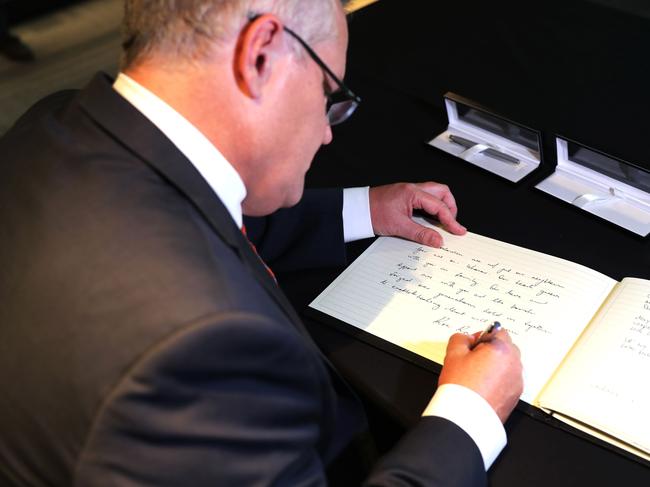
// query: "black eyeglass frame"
[[345, 96]]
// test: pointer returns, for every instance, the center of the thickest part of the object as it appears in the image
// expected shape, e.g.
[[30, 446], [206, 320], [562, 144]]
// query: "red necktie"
[[268, 269]]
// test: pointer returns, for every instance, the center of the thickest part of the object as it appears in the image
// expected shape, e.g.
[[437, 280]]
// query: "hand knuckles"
[[411, 188], [421, 235]]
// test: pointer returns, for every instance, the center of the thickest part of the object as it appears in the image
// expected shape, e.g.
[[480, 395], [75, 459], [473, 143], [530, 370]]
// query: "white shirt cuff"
[[357, 223], [474, 415]]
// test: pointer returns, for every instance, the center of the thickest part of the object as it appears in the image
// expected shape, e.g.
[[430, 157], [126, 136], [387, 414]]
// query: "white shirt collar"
[[206, 158]]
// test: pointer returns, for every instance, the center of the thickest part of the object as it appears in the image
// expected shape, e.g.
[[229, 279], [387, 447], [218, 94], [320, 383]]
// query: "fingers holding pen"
[[491, 367]]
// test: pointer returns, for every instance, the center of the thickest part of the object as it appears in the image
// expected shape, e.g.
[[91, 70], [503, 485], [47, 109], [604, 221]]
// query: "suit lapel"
[[133, 130]]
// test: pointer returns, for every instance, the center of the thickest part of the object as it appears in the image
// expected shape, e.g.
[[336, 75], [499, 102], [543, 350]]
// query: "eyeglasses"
[[343, 102]]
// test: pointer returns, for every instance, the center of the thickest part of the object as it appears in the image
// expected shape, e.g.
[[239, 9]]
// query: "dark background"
[[23, 10], [570, 67]]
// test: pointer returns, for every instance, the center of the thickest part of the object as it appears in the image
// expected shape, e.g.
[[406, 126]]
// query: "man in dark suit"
[[142, 339]]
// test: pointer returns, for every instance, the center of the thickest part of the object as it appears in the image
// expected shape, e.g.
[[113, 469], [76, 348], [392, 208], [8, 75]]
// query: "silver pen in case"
[[493, 153]]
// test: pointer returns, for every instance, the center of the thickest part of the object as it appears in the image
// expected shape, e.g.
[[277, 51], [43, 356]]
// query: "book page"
[[605, 380], [417, 296]]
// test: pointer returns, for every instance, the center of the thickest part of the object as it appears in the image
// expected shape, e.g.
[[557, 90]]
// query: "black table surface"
[[569, 68]]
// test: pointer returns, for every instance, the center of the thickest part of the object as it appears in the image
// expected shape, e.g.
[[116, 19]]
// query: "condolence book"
[[584, 337]]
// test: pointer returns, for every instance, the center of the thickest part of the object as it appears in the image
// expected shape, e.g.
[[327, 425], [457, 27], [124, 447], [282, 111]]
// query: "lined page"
[[417, 296], [605, 381]]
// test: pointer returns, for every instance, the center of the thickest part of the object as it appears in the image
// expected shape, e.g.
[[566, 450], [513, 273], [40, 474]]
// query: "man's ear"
[[258, 47]]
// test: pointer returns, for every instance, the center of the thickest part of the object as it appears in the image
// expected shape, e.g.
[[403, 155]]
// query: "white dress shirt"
[[458, 404]]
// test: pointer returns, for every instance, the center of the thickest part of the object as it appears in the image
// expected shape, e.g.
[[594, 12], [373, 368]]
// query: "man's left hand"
[[392, 206]]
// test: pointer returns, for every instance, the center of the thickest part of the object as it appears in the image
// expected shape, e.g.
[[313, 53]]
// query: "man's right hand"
[[492, 369]]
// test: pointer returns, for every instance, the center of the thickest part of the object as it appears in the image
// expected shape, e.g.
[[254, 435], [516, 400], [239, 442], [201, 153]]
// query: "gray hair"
[[187, 29]]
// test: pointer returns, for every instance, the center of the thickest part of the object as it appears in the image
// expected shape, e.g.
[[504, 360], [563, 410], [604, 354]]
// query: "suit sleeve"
[[437, 453], [235, 400], [304, 236]]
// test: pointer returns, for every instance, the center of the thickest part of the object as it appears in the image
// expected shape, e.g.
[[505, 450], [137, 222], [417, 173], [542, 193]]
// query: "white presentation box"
[[487, 140], [608, 187]]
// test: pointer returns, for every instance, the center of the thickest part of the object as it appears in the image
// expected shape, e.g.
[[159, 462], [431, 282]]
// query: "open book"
[[584, 338]]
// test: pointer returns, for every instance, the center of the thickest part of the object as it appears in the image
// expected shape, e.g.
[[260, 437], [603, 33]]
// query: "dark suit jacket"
[[141, 340]]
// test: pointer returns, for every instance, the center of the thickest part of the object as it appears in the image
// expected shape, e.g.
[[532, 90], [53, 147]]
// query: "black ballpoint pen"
[[493, 153]]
